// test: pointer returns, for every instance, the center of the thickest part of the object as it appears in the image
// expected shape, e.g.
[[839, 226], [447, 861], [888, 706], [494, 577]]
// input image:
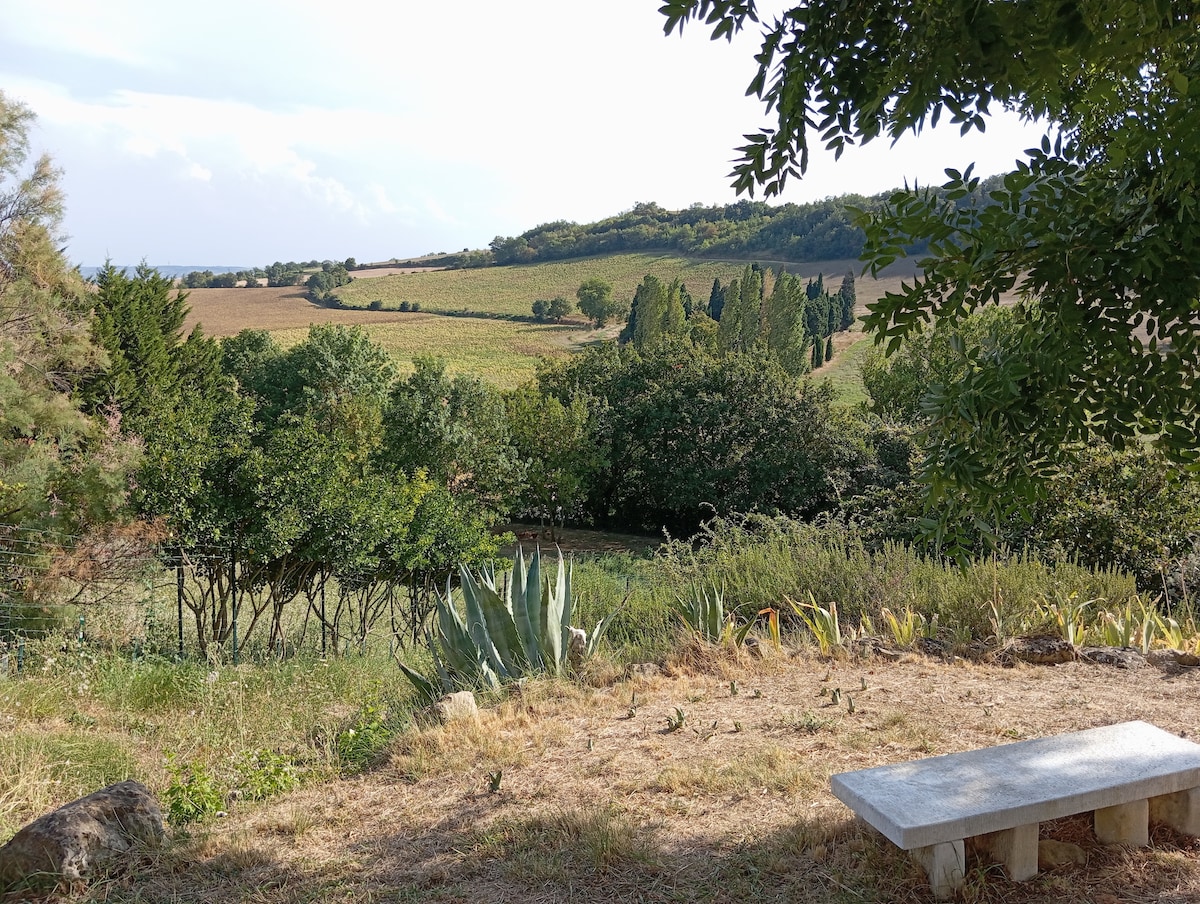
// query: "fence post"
[[234, 589], [179, 599]]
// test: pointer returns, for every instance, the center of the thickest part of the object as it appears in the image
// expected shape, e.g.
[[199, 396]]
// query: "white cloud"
[[437, 124]]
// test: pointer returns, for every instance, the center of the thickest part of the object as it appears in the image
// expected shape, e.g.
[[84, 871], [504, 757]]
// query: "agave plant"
[[705, 616], [520, 628], [822, 622]]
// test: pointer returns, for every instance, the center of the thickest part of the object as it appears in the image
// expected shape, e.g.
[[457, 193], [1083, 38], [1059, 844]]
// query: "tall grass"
[[761, 561], [644, 628], [78, 720]]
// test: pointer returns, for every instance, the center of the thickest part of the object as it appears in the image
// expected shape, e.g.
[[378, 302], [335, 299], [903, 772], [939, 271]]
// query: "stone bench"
[[1127, 774]]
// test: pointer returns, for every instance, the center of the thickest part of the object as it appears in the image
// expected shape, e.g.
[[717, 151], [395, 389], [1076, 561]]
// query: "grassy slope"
[[502, 351], [512, 290]]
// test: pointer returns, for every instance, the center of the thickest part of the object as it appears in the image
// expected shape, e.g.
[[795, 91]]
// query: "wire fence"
[[132, 592]]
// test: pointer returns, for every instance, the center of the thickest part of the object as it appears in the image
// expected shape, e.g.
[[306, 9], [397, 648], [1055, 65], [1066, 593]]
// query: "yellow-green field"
[[513, 290], [504, 352]]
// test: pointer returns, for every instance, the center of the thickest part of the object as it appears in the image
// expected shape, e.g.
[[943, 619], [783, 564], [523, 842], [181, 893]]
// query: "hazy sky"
[[253, 131]]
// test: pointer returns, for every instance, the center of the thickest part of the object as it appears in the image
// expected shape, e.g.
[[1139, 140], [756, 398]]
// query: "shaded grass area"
[[78, 721]]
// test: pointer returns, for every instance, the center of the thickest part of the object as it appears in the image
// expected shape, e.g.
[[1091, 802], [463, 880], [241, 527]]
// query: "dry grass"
[[599, 801]]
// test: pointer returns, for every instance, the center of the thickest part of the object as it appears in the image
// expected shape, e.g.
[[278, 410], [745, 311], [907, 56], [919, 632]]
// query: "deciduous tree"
[[1097, 228]]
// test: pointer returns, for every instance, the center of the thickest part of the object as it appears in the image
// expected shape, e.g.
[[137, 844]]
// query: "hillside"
[[490, 334]]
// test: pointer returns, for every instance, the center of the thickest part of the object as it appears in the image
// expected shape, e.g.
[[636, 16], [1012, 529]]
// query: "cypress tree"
[[847, 296], [829, 349], [716, 300], [651, 301], [674, 314], [728, 325]]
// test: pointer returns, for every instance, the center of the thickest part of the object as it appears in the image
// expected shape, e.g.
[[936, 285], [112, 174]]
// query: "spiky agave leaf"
[[491, 626], [525, 598]]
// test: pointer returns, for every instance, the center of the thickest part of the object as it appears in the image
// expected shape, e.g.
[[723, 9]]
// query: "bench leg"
[[946, 866], [1181, 811], [1016, 848], [1124, 824]]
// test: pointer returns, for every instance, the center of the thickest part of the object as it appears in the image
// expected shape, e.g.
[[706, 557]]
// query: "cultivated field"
[[512, 290], [501, 350]]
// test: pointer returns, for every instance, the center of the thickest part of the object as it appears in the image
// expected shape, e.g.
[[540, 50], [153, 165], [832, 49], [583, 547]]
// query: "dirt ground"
[[597, 797]]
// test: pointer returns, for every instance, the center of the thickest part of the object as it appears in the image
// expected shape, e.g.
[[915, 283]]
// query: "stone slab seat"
[[1126, 774]]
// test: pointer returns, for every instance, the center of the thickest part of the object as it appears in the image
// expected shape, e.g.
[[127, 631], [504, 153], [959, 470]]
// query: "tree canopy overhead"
[[1097, 228]]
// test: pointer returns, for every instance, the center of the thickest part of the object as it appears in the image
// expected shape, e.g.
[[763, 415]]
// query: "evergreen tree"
[[750, 309], [651, 302], [729, 323], [818, 353], [139, 320], [675, 315], [829, 349], [716, 300], [59, 468], [784, 325], [847, 296], [689, 305]]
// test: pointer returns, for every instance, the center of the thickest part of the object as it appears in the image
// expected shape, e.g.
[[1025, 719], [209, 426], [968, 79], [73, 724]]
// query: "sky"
[[242, 133]]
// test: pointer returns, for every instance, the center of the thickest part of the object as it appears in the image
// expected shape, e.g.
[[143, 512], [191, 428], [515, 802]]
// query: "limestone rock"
[[1039, 649], [1120, 657], [86, 836], [1172, 660], [576, 646], [457, 707], [1058, 853], [644, 670]]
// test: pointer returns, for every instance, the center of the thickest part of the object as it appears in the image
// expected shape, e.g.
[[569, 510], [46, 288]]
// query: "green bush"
[[360, 745], [263, 774], [193, 794]]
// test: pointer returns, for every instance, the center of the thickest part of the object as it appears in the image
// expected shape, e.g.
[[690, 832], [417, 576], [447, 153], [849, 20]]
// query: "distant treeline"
[[821, 230], [319, 276]]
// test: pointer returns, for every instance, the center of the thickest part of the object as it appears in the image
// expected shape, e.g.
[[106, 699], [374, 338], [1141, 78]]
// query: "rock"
[[1039, 649], [1172, 660], [576, 646], [1059, 853], [1120, 657], [87, 836], [457, 707], [935, 646], [644, 670]]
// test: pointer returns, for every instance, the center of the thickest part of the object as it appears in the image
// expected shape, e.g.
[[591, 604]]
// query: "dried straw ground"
[[599, 800]]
